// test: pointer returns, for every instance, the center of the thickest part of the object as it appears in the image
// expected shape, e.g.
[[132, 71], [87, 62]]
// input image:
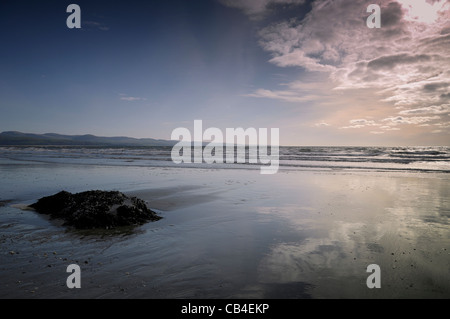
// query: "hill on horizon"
[[21, 139]]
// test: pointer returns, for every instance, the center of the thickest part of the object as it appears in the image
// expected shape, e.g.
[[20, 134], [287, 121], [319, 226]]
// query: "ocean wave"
[[368, 158]]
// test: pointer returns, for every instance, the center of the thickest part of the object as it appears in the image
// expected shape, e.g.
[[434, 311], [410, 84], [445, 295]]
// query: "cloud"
[[388, 128], [391, 121], [391, 61], [123, 97], [445, 96], [321, 124], [443, 124], [294, 92], [288, 96], [432, 87], [360, 123], [404, 63], [95, 25], [392, 15], [410, 120], [434, 109], [257, 9]]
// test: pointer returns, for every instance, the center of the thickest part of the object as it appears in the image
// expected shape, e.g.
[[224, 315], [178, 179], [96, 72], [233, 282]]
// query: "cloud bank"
[[404, 64]]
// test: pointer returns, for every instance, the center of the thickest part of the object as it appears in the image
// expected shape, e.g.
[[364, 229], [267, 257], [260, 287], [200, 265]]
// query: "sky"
[[313, 69]]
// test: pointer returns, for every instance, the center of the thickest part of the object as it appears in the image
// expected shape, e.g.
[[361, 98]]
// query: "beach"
[[236, 150], [231, 233]]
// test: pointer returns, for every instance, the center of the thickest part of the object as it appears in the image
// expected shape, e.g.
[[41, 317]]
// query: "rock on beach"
[[95, 209]]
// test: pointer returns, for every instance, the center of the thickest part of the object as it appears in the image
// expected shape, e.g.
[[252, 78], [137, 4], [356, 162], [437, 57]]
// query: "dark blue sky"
[[179, 60], [143, 68]]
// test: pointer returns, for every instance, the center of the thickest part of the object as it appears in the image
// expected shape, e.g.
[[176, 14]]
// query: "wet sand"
[[234, 234]]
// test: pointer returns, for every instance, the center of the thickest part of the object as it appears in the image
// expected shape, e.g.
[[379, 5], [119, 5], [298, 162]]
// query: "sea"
[[408, 159]]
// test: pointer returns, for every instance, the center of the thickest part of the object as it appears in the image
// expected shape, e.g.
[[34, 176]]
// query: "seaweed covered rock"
[[96, 209]]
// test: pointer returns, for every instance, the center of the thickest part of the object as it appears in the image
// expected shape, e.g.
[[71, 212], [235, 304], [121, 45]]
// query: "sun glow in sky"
[[313, 69], [424, 11]]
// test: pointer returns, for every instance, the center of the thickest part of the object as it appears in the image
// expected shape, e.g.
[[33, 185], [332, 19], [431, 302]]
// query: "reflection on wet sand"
[[236, 234], [401, 224]]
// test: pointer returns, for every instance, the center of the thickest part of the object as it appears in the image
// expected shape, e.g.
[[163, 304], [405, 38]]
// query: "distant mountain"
[[19, 138]]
